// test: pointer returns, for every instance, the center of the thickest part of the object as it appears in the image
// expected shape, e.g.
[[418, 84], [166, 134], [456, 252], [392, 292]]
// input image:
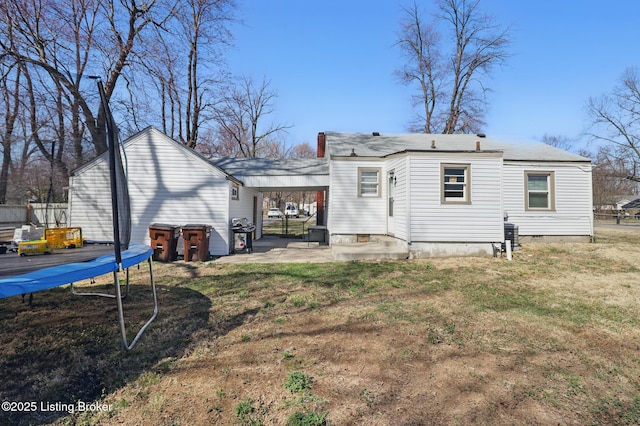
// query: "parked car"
[[292, 210], [274, 213]]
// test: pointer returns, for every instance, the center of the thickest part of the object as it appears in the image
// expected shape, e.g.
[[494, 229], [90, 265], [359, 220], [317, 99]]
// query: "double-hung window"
[[539, 190], [368, 182], [455, 183]]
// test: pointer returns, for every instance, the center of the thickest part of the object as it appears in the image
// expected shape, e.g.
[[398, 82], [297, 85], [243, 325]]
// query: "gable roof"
[[151, 131], [382, 145]]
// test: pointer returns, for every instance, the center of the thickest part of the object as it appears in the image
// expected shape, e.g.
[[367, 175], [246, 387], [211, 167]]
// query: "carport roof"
[[272, 167], [267, 174]]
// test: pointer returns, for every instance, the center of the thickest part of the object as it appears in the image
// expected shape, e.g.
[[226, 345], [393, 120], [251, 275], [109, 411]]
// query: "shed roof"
[[382, 145]]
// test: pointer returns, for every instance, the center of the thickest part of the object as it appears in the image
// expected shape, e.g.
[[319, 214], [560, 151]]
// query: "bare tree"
[[451, 93], [558, 141], [58, 40], [419, 44], [188, 84], [615, 123], [241, 117], [610, 178], [10, 101], [58, 44], [303, 150]]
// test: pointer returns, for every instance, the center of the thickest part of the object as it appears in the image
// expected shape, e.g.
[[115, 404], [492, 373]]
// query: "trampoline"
[[20, 275]]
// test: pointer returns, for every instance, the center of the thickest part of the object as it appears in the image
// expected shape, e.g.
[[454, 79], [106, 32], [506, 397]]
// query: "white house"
[[168, 183], [450, 194], [435, 195]]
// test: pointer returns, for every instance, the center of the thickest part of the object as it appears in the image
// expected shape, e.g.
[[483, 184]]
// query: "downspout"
[[70, 200], [408, 198], [320, 198]]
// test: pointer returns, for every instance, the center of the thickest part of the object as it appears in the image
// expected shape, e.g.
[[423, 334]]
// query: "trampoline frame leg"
[[119, 296], [123, 331], [109, 295]]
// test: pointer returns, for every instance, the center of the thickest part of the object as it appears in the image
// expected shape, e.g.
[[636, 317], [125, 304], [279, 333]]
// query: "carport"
[[281, 175]]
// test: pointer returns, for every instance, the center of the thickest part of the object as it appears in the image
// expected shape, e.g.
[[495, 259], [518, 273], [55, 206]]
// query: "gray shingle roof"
[[368, 145], [272, 167], [635, 204]]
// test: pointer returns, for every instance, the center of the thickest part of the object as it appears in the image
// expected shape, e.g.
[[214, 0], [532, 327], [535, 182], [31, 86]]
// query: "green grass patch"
[[307, 418], [616, 411], [298, 382]]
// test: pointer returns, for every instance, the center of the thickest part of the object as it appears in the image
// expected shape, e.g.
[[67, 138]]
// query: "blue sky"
[[332, 63]]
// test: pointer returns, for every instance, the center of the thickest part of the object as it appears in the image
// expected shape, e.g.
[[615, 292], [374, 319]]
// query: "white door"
[[391, 189]]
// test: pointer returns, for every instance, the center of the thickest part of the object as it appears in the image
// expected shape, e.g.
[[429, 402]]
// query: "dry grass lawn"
[[552, 337]]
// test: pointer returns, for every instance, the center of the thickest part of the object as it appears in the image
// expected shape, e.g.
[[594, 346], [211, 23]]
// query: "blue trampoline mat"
[[46, 277]]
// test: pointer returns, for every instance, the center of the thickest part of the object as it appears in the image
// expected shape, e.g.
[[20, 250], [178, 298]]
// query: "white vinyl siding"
[[90, 203], [572, 199], [167, 184], [368, 182], [348, 212], [400, 219], [478, 220], [455, 183], [539, 187], [291, 183], [243, 207]]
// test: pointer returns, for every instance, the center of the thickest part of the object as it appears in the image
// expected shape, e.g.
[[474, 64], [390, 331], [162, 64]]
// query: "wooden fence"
[[40, 214]]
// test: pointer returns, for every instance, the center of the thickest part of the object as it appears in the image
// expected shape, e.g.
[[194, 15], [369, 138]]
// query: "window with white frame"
[[539, 190], [368, 182], [456, 185], [235, 191]]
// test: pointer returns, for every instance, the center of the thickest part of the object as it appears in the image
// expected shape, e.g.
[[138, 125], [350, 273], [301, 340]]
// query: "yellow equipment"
[[34, 247], [63, 238]]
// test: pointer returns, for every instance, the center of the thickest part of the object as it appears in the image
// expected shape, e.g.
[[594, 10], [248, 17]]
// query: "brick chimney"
[[322, 142]]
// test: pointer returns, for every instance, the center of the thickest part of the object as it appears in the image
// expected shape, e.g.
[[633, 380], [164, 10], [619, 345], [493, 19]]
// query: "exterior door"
[[391, 189]]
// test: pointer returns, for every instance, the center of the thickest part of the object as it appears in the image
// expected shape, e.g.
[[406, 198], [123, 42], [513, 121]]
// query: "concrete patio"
[[276, 249]]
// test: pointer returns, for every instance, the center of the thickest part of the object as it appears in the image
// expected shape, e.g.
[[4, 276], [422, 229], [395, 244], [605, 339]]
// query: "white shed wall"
[[167, 184], [90, 203], [573, 215]]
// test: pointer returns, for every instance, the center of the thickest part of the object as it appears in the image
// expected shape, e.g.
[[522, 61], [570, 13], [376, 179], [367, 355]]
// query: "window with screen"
[[455, 186], [368, 182]]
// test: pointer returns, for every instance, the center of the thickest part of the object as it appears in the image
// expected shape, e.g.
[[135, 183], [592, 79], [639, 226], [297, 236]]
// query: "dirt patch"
[[549, 338]]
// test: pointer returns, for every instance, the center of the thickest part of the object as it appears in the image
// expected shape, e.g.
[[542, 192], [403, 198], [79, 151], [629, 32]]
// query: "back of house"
[[445, 195]]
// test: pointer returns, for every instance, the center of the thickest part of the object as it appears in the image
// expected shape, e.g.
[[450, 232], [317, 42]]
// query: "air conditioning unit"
[[511, 234]]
